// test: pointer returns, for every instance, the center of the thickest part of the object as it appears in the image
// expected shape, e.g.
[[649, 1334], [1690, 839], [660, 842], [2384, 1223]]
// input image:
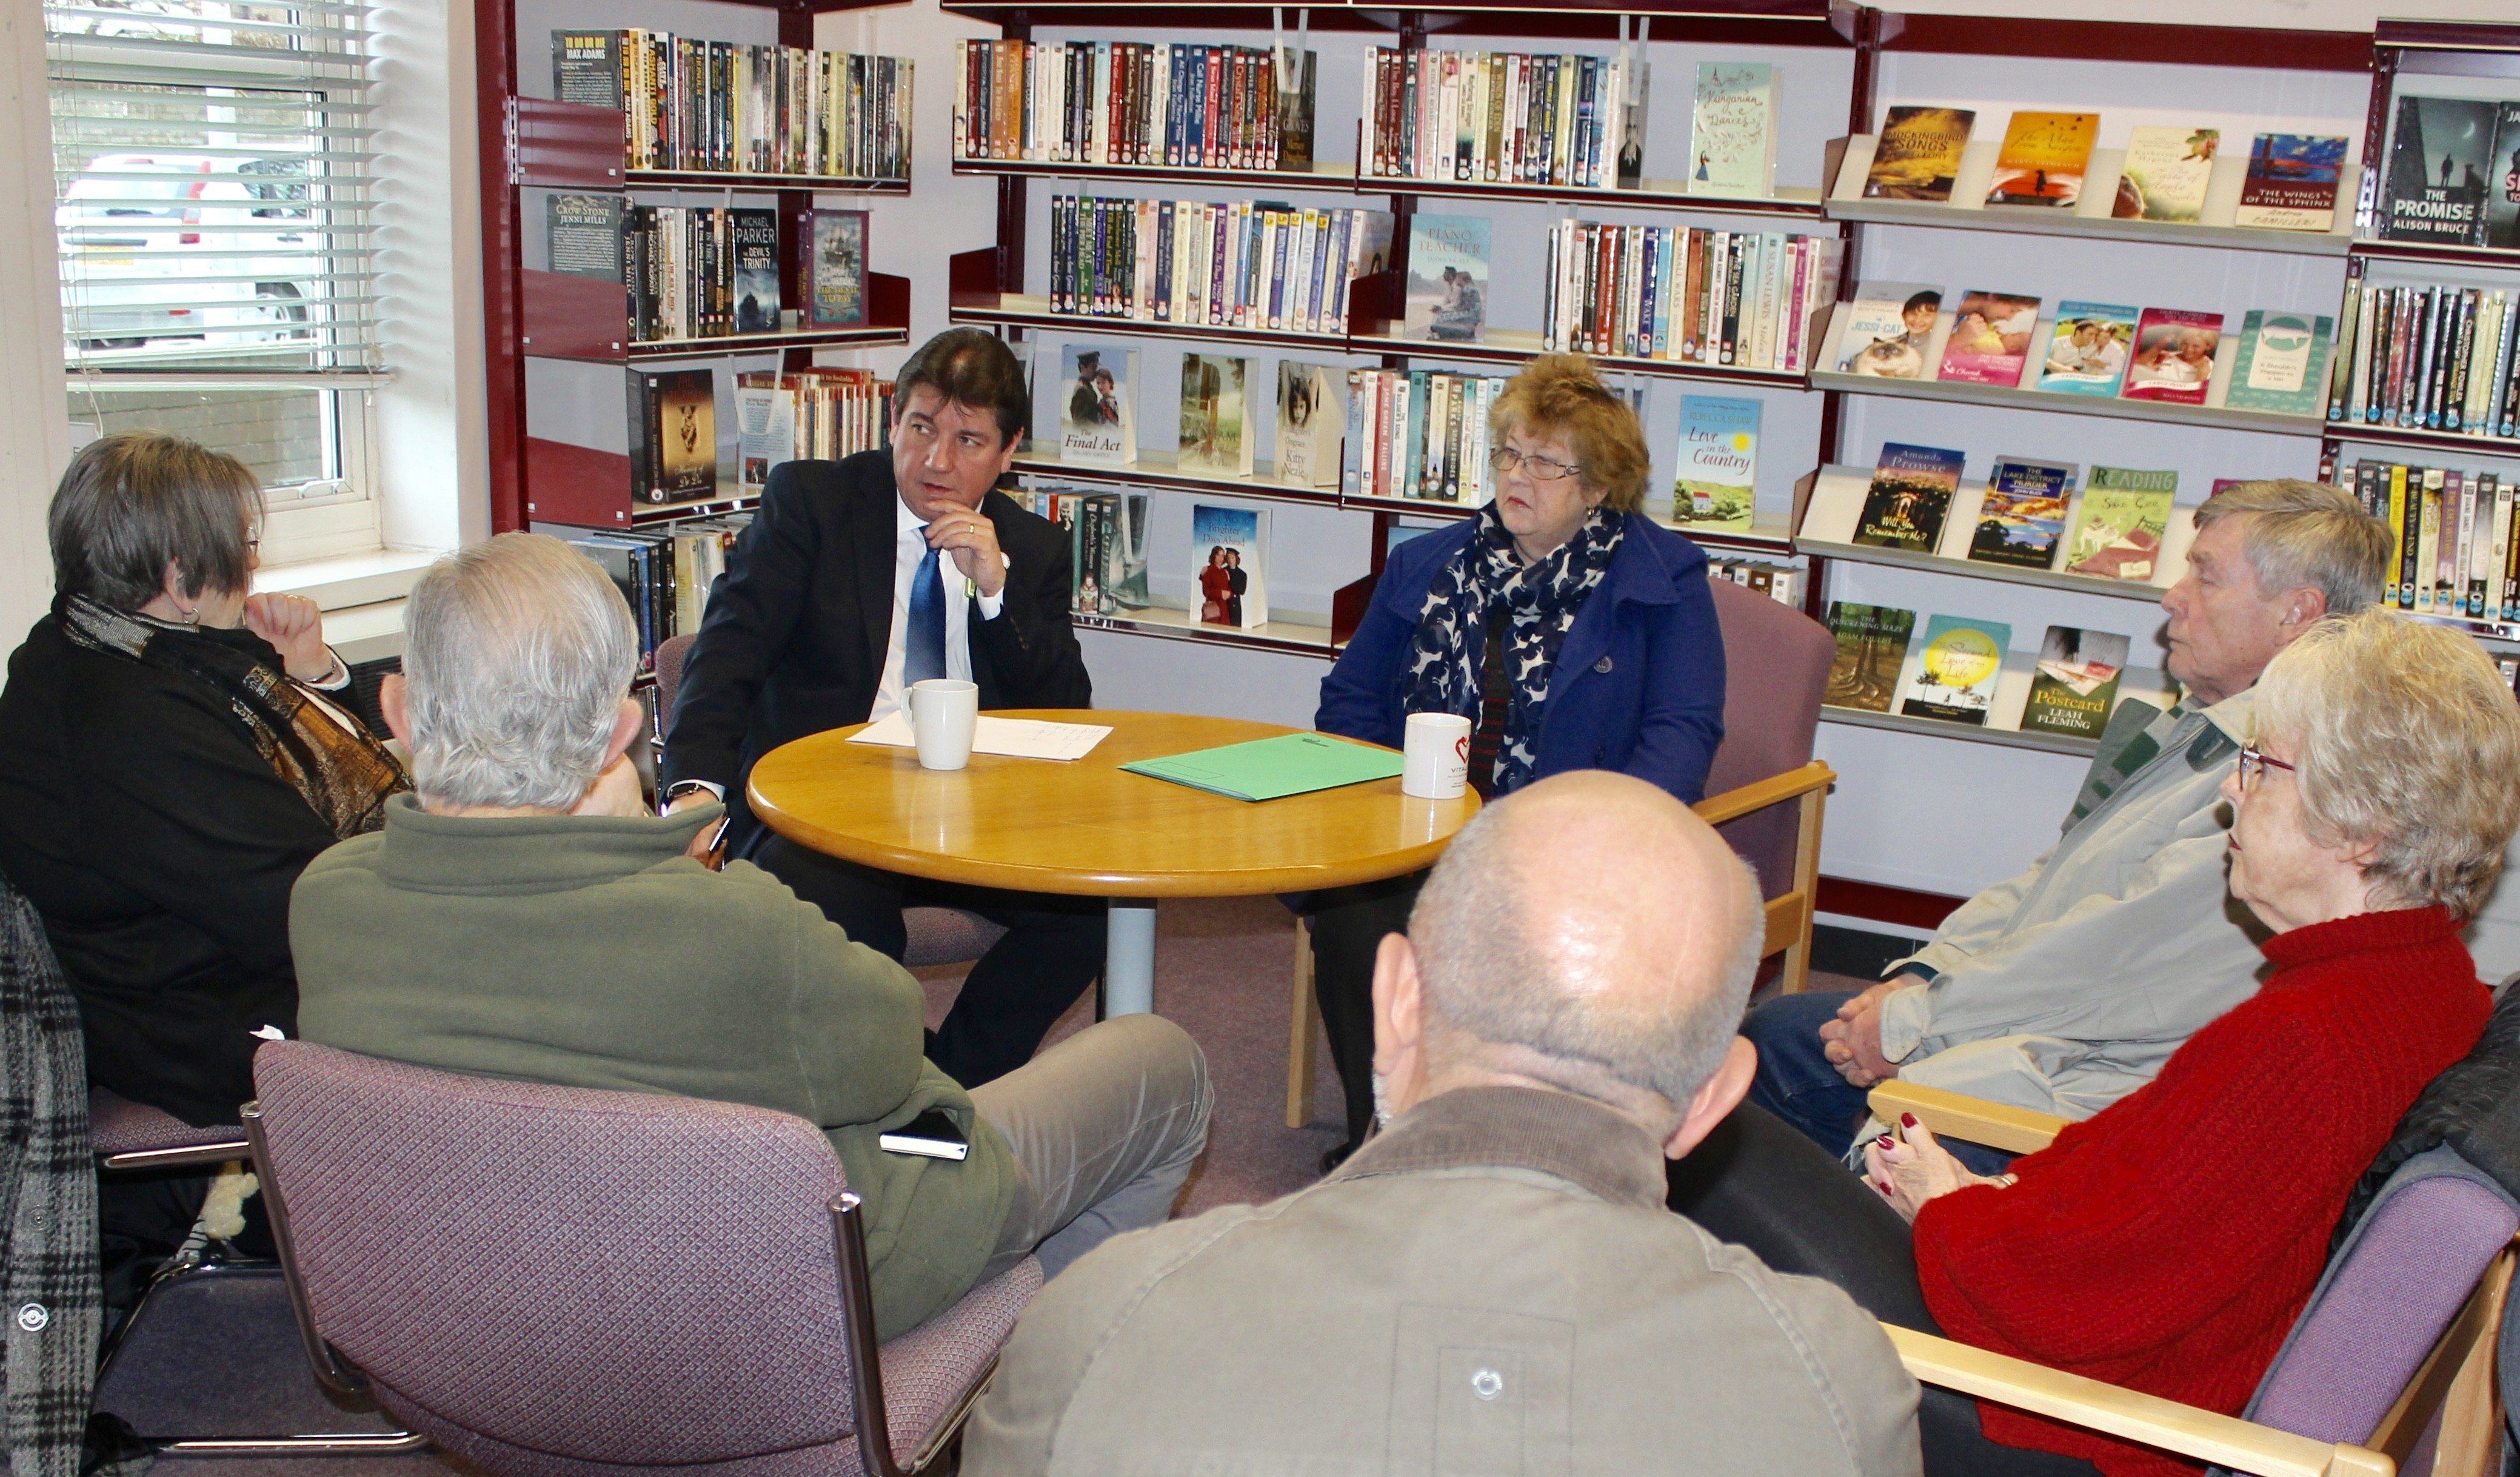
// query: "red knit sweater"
[[2168, 1243]]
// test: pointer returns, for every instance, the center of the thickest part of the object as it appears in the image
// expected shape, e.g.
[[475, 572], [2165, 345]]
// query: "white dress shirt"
[[910, 548]]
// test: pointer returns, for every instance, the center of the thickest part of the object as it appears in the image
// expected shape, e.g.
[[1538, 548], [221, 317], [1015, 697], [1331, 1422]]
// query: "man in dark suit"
[[857, 579]]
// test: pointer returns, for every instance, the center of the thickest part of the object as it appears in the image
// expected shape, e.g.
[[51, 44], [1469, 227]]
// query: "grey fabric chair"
[[937, 935], [562, 1282]]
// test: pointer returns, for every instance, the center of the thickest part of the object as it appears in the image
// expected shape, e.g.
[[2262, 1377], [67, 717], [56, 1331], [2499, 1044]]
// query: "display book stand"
[[987, 284], [532, 145], [1834, 493]]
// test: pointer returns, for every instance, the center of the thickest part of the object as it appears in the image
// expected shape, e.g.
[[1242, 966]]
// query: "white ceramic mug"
[[943, 714], [1435, 756]]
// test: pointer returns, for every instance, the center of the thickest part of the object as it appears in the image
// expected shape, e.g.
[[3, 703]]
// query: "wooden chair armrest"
[[2202, 1435], [1759, 794], [1993, 1124]]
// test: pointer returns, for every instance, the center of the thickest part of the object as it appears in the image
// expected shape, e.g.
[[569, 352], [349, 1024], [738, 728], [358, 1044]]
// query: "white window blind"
[[212, 161]]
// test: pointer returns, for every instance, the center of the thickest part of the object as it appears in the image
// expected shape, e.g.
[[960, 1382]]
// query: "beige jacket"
[[1493, 1287]]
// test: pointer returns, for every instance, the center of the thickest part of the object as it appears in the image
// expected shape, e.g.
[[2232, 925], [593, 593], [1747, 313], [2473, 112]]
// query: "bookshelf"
[[532, 144]]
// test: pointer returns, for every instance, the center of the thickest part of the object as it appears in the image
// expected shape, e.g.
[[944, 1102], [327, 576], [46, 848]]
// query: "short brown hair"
[[969, 367], [1561, 395], [132, 503]]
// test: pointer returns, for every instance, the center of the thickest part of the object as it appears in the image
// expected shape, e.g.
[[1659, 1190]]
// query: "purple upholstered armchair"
[[565, 1282], [937, 935]]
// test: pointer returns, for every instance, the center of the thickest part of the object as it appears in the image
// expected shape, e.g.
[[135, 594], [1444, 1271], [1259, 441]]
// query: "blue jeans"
[[1798, 1082]]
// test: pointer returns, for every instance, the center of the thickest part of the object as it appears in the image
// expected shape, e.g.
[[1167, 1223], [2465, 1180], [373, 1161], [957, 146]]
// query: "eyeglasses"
[[1538, 468], [2254, 762]]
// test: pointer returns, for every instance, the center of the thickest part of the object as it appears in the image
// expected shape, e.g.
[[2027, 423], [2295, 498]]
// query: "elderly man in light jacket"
[[2065, 988], [1491, 1283]]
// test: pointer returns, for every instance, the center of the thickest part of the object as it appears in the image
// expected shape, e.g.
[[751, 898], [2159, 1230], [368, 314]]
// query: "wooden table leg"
[[1128, 958]]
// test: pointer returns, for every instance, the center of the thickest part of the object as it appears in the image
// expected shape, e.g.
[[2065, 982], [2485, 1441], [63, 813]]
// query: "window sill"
[[365, 632], [350, 580]]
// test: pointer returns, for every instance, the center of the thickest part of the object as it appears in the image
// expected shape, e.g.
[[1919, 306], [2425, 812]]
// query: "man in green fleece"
[[524, 915]]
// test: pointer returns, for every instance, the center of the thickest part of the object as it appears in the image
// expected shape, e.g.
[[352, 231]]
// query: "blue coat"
[[1639, 685]]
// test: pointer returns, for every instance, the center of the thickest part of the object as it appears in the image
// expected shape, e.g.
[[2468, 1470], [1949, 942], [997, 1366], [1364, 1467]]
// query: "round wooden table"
[[1083, 827]]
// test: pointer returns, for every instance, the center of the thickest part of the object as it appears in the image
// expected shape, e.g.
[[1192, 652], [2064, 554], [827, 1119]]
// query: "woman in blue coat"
[[1570, 629]]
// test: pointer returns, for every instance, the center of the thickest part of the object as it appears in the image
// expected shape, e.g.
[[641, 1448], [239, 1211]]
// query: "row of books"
[[808, 415], [1743, 298], [2455, 555], [2434, 358], [665, 574], [1420, 433], [1952, 675], [2454, 173], [1781, 583], [2291, 183], [2029, 518], [1135, 103], [1509, 117], [709, 272], [1248, 264], [2093, 348], [728, 107]]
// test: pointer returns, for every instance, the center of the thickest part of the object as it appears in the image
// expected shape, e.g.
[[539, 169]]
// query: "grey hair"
[[2405, 740], [1488, 971], [2307, 533], [517, 652]]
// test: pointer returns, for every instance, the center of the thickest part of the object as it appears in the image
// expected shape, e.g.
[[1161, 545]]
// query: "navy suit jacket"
[[1639, 684]]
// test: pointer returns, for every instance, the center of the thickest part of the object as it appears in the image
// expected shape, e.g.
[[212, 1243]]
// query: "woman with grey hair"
[[2168, 1242], [174, 751]]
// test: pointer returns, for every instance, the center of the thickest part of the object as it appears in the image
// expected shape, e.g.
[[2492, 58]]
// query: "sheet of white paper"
[[1014, 738]]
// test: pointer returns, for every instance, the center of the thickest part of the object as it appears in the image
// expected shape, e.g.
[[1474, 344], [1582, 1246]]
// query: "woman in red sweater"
[[2168, 1243]]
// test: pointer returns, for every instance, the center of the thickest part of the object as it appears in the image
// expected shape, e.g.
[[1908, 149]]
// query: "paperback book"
[[2023, 518], [1719, 460], [1871, 648], [2439, 158], [1732, 130], [2174, 356], [1448, 278], [583, 234], [1215, 419], [2044, 154], [2292, 182], [756, 271], [1919, 154], [2502, 183], [2087, 350], [1957, 669], [2076, 682], [1310, 418], [1098, 399], [2166, 173], [1990, 340], [2283, 363], [1230, 549], [1888, 326], [836, 284], [2118, 530], [673, 434], [1910, 498]]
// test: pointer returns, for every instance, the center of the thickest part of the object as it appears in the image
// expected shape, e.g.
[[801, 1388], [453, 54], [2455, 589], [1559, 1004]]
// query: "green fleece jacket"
[[592, 952]]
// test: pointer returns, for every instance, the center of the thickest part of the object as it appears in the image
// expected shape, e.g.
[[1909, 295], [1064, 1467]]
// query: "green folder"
[[1267, 769]]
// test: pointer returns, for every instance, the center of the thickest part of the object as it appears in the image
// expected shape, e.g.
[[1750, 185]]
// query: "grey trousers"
[[1105, 1125]]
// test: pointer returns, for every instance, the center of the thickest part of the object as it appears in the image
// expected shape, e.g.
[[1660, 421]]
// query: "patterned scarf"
[[343, 773], [1541, 601]]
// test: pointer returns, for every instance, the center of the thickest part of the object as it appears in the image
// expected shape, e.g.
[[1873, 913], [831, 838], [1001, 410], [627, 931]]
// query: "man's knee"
[[1169, 1065], [1793, 1020]]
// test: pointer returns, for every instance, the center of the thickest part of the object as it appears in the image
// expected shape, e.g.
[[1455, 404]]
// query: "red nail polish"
[[1884, 1188], [1906, 1120], [1885, 1140]]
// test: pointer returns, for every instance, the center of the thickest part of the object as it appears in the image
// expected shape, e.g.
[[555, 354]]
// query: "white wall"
[[34, 416]]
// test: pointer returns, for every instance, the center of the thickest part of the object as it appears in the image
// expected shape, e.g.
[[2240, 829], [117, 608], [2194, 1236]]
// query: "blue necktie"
[[923, 647]]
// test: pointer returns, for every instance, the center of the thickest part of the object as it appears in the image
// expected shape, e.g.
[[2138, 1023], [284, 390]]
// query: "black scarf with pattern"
[[343, 773], [1541, 602]]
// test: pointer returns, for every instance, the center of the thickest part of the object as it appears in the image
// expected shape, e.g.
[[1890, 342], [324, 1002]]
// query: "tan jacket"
[[1491, 1287]]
